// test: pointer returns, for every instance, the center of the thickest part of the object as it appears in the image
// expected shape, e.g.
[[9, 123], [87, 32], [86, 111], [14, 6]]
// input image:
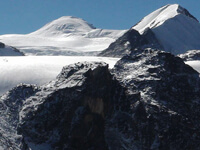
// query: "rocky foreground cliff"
[[149, 100]]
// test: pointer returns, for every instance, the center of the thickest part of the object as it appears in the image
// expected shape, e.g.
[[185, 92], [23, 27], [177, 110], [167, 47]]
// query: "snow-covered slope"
[[190, 55], [64, 26], [37, 69], [195, 64], [9, 51], [175, 28], [64, 36]]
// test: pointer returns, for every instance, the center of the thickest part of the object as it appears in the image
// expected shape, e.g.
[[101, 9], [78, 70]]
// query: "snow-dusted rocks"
[[174, 27], [9, 51], [72, 111], [190, 55], [192, 58], [10, 106], [167, 113], [150, 100], [64, 36]]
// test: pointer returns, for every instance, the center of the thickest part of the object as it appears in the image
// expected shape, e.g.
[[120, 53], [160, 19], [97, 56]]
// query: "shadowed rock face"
[[71, 112], [9, 50], [2, 45], [129, 41]]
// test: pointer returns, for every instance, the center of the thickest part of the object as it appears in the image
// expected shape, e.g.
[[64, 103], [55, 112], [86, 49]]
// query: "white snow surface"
[[176, 31], [38, 69], [64, 26], [157, 18], [64, 36], [195, 64]]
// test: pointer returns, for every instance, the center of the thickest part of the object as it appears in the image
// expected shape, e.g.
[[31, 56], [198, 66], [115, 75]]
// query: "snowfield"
[[67, 36], [38, 69]]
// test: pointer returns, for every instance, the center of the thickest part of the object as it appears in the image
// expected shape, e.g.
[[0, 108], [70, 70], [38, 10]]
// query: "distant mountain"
[[65, 26], [172, 28], [9, 51], [64, 36]]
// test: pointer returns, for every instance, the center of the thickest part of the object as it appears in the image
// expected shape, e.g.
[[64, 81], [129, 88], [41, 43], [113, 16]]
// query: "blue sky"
[[25, 16]]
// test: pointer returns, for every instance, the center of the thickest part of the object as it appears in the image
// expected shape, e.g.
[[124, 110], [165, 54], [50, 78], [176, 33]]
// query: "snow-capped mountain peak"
[[64, 25], [64, 36], [174, 27], [159, 16]]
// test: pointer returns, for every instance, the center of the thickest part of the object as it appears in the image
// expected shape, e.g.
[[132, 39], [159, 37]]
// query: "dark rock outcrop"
[[167, 114], [129, 41], [150, 100], [2, 45], [72, 112]]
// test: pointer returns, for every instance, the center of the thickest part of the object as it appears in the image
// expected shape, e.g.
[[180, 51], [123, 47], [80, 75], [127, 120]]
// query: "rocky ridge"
[[142, 103], [129, 41], [71, 112], [167, 113]]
